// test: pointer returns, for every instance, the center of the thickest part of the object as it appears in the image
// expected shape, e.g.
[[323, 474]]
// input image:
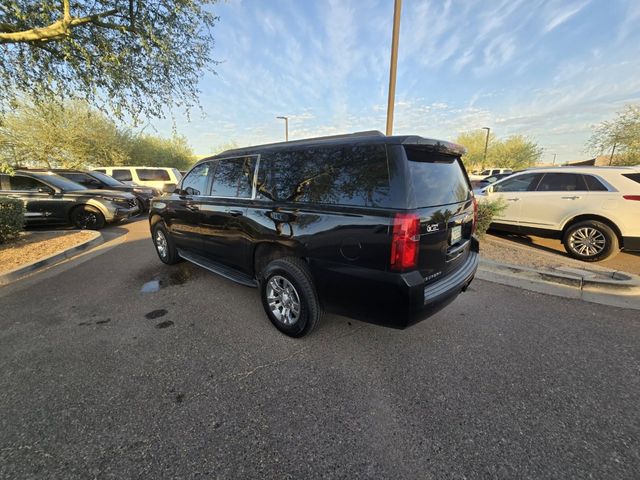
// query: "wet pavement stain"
[[156, 314], [162, 277], [84, 323], [165, 324], [179, 397], [102, 322]]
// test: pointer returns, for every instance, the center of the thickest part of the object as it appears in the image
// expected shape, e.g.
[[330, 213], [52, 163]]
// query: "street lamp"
[[393, 65], [554, 158], [486, 144], [286, 127]]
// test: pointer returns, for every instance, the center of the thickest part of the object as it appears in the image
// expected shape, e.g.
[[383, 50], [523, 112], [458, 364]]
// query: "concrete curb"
[[17, 273], [622, 293]]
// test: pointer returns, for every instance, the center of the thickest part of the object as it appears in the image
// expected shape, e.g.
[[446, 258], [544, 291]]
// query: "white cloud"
[[560, 14]]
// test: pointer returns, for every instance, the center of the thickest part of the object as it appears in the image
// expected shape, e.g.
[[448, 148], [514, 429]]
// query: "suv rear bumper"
[[392, 299]]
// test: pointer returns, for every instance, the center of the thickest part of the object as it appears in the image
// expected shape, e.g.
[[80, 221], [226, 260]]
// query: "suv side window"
[[81, 178], [562, 182], [521, 183], [152, 175], [121, 174], [24, 184], [233, 177], [195, 183], [353, 175]]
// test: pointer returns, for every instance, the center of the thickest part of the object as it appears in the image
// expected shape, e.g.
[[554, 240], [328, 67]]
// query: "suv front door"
[[184, 217], [42, 203], [513, 190]]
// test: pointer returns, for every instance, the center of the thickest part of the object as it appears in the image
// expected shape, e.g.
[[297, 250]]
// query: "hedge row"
[[11, 218]]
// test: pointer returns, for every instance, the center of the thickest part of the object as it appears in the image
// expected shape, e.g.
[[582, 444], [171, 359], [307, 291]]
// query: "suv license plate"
[[456, 234]]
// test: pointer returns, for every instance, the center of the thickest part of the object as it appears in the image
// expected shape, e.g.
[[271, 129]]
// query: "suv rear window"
[[632, 176], [436, 179], [152, 175]]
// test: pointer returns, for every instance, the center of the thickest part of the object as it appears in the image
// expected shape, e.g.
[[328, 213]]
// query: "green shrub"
[[487, 209], [11, 218]]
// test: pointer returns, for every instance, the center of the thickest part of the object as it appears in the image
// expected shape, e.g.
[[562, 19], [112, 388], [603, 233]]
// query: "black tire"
[[591, 241], [86, 217], [296, 272], [168, 254]]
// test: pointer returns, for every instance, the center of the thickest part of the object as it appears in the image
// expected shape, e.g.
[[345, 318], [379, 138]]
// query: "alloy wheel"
[[587, 241], [283, 300]]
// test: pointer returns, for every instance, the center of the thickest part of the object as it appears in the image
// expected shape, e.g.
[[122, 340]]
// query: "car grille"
[[131, 202]]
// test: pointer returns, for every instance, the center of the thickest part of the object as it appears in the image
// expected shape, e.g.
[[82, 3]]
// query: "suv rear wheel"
[[289, 297], [591, 241], [165, 248]]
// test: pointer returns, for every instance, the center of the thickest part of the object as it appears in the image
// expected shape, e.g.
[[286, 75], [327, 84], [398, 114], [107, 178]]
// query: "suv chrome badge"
[[434, 227]]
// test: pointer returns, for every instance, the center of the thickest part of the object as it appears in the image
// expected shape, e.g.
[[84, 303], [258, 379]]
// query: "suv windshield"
[[436, 179], [57, 181], [112, 182]]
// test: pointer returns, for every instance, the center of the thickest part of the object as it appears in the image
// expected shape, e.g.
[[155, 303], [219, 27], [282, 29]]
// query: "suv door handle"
[[512, 199], [575, 197], [235, 213]]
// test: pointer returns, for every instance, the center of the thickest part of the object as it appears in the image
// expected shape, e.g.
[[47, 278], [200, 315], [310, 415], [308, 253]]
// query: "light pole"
[[554, 158], [486, 144], [286, 128], [394, 63]]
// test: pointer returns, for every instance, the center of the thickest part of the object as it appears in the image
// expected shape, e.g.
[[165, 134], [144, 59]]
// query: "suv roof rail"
[[367, 133]]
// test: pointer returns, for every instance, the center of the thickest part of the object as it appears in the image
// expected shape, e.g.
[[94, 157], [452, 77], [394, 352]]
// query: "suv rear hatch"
[[441, 220]]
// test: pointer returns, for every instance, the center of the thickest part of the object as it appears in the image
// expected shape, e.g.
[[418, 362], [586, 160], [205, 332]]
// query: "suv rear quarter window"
[[354, 175]]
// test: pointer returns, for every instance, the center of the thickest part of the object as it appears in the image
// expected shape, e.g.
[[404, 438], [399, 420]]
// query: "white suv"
[[475, 177], [595, 211], [155, 177]]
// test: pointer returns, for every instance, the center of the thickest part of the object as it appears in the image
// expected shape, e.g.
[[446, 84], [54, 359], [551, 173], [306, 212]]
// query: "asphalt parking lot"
[[100, 380]]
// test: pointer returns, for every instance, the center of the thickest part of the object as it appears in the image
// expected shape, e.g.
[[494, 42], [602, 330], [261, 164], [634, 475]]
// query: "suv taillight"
[[475, 214], [631, 197], [405, 241]]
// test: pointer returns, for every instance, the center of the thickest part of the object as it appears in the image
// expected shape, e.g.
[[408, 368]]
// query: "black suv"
[[373, 227], [54, 200], [93, 179]]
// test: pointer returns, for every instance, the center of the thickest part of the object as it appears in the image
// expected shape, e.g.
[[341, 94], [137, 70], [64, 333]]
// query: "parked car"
[[476, 176], [154, 177], [595, 211], [99, 180], [373, 227], [480, 185], [54, 200]]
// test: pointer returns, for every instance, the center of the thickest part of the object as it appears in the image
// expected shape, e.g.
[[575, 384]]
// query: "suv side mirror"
[[169, 188], [48, 190], [489, 189]]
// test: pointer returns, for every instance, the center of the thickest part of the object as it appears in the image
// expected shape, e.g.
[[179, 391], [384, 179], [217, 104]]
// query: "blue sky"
[[549, 69]]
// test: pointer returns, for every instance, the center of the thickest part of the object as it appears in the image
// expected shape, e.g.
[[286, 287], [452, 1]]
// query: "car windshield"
[[112, 182], [60, 182]]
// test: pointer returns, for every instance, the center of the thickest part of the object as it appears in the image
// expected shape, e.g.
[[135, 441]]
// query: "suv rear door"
[[440, 191]]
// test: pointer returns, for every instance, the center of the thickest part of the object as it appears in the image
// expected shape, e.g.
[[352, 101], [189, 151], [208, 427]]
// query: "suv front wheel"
[[289, 297], [165, 248], [591, 241]]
